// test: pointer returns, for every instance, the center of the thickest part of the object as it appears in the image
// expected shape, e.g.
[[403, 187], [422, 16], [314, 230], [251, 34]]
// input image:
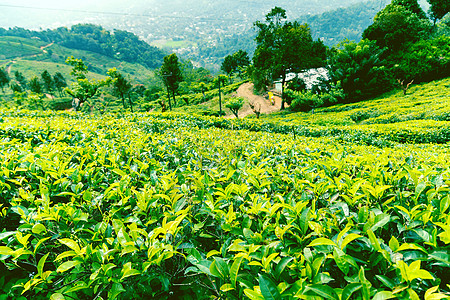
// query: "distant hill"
[[343, 23], [332, 27], [120, 45], [32, 56]]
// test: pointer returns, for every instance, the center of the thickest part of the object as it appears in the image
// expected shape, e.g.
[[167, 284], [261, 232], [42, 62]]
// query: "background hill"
[[33, 55]]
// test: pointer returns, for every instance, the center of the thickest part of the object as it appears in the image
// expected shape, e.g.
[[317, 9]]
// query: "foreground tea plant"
[[155, 206]]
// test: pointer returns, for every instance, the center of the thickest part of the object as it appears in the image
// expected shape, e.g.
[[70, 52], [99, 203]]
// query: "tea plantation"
[[174, 206]]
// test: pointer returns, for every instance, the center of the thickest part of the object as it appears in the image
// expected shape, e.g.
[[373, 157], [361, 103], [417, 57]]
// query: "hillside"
[[33, 56]]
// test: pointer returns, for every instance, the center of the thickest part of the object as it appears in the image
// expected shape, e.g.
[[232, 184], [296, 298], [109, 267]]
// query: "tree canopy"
[[171, 75], [411, 5], [235, 63], [439, 8], [82, 89], [395, 26], [284, 47], [121, 86], [4, 78]]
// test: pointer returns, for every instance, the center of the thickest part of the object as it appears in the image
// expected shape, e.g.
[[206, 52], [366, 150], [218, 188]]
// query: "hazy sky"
[[36, 14]]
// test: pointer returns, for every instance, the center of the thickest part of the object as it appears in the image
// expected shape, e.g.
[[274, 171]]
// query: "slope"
[[33, 56]]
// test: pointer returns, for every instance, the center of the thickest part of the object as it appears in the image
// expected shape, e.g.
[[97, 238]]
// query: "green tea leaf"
[[71, 244], [234, 270], [322, 242], [322, 291], [383, 295], [281, 265], [68, 265], [115, 291], [57, 296], [38, 228], [253, 295], [349, 290], [40, 266], [268, 289], [6, 250]]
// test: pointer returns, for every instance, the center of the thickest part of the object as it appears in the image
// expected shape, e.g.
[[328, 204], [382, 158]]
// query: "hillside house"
[[311, 77]]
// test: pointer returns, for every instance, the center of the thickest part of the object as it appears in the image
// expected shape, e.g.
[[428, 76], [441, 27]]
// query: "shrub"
[[303, 101]]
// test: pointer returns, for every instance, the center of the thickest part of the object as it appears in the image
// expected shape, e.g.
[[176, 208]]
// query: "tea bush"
[[169, 206]]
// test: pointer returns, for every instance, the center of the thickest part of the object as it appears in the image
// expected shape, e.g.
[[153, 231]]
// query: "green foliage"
[[302, 100], [284, 47], [171, 75], [82, 89], [21, 80], [296, 84], [411, 5], [395, 27], [59, 82], [121, 86], [4, 79], [47, 82], [235, 104], [358, 68], [121, 45], [424, 61], [35, 85], [236, 62], [439, 8], [173, 206]]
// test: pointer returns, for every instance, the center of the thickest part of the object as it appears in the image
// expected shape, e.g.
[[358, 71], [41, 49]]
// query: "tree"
[[358, 68], [438, 9], [59, 82], [228, 65], [47, 80], [82, 89], [170, 73], [413, 6], [235, 104], [15, 87], [220, 81], [242, 61], [35, 85], [297, 84], [423, 61], [121, 86], [235, 63], [4, 79], [395, 27], [21, 79], [284, 47]]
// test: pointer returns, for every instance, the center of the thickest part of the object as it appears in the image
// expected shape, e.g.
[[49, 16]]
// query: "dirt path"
[[246, 91], [8, 68], [43, 47]]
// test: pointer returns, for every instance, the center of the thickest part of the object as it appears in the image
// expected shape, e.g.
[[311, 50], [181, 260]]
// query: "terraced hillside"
[[348, 202], [32, 57]]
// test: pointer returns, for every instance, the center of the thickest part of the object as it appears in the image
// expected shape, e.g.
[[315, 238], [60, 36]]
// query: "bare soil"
[[259, 102]]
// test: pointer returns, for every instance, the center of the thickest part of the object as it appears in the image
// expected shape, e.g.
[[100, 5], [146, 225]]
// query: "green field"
[[348, 202]]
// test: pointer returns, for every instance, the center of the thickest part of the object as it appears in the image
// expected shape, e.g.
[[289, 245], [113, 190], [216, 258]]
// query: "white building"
[[310, 77]]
